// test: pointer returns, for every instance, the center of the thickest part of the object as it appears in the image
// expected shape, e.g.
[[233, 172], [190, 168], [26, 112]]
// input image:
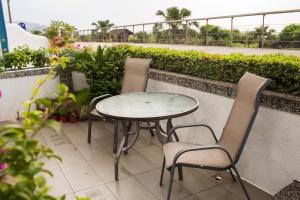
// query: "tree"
[[103, 25], [259, 32], [216, 34], [290, 36], [178, 29]]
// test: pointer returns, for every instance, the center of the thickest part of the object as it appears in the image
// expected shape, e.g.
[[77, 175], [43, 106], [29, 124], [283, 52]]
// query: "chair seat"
[[210, 157]]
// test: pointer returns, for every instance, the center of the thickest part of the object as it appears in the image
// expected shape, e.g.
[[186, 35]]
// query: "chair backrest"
[[243, 113], [135, 75]]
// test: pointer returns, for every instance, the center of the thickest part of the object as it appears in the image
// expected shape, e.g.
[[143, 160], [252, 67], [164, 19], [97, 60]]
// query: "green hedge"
[[283, 70]]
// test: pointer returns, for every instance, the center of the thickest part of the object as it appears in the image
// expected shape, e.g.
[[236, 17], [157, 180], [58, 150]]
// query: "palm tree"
[[263, 33], [102, 25], [175, 13]]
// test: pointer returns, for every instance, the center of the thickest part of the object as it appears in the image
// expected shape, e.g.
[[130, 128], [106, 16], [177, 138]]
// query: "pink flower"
[[3, 166], [0, 93]]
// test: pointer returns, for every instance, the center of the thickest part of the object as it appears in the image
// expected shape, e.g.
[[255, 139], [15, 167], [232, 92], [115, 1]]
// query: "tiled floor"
[[88, 170]]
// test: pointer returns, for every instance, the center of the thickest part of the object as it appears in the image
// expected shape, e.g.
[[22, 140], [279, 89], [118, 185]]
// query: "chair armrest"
[[172, 131], [200, 148], [96, 100]]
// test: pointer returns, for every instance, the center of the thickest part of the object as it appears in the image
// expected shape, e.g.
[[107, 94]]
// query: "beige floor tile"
[[104, 167], [50, 164], [130, 189], [53, 138], [97, 193], [81, 176], [254, 192], [135, 163], [195, 181], [192, 197], [71, 197], [90, 151], [217, 193], [151, 181], [69, 155], [153, 153], [142, 141], [58, 183], [75, 133], [107, 143]]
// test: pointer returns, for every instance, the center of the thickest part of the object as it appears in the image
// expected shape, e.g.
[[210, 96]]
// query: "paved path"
[[208, 49]]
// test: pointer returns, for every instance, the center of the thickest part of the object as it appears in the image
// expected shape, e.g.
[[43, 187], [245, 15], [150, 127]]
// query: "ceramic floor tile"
[[58, 183], [69, 155], [153, 153], [50, 164], [81, 176], [97, 193], [104, 167], [195, 181], [107, 143], [151, 181], [254, 192], [192, 197], [142, 141], [217, 193], [130, 189], [90, 151], [135, 163], [56, 139]]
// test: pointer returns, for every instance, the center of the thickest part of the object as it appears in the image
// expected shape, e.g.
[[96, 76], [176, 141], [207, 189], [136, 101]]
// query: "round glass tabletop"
[[147, 106]]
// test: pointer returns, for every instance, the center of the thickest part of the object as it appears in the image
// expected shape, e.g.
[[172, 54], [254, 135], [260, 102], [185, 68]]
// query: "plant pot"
[[73, 119], [63, 119]]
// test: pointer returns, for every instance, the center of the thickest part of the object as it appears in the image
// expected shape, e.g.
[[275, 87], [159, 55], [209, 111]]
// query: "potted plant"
[[62, 113], [73, 117]]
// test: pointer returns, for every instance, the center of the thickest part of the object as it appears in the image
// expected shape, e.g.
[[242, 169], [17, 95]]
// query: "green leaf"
[[56, 126], [40, 181]]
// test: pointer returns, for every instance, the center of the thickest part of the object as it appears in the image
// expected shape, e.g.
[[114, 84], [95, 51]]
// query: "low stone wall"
[[271, 158]]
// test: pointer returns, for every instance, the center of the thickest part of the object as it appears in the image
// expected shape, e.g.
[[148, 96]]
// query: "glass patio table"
[[149, 107]]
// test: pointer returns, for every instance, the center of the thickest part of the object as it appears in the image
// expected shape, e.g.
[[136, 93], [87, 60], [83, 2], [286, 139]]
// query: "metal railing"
[[186, 34]]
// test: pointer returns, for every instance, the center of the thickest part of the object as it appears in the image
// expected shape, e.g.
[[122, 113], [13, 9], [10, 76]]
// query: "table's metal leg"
[[169, 127], [124, 147], [159, 135]]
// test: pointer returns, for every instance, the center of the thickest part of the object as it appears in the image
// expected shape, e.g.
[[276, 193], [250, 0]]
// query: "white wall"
[[18, 37], [16, 90], [271, 158]]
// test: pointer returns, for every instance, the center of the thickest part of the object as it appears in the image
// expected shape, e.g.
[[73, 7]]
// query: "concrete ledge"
[[279, 101], [24, 72]]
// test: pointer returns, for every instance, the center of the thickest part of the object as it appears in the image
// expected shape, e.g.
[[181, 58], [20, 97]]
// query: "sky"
[[81, 13]]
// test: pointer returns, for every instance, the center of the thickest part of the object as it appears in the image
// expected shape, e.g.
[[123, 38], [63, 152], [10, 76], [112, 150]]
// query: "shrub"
[[283, 70], [103, 68], [22, 56]]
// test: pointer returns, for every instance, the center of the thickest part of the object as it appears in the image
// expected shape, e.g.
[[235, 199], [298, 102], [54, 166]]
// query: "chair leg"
[[116, 131], [171, 182], [241, 182], [180, 173], [90, 121], [162, 172], [232, 176]]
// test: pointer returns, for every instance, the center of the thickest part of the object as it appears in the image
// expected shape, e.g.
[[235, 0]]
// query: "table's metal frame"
[[126, 122]]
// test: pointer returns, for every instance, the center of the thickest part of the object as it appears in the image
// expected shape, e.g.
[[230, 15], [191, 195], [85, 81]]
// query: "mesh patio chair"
[[225, 153], [135, 80]]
